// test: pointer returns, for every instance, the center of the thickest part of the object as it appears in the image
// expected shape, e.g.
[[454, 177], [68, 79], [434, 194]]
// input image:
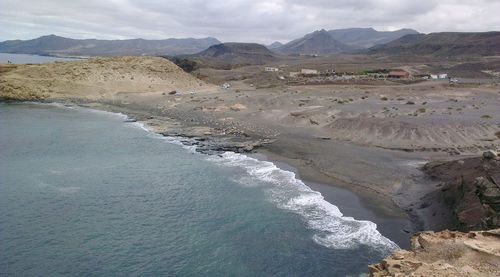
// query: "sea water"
[[27, 58], [83, 193]]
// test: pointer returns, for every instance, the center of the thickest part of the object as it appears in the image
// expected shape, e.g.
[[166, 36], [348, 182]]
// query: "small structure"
[[308, 71], [294, 74], [271, 69], [398, 74], [443, 76], [226, 85], [330, 72], [434, 76]]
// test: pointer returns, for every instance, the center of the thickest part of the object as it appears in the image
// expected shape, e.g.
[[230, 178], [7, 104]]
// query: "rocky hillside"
[[445, 254], [100, 78], [443, 45], [367, 37], [233, 54], [469, 194], [61, 46]]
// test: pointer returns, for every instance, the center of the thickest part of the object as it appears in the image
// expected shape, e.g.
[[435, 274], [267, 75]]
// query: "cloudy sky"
[[261, 21]]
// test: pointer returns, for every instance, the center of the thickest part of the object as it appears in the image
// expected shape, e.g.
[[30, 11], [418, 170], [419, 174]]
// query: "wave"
[[332, 229]]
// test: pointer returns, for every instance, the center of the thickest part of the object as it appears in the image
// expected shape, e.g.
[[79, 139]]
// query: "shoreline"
[[393, 224], [397, 229]]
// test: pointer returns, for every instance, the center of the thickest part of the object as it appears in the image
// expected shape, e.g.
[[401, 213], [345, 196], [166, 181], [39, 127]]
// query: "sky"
[[262, 21]]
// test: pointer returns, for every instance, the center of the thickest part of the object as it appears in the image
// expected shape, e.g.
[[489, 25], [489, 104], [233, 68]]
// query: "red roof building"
[[398, 74]]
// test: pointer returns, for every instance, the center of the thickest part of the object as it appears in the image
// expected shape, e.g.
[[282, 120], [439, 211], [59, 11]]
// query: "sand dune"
[[95, 79]]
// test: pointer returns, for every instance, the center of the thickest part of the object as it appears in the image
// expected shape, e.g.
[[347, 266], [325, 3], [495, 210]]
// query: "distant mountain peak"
[[275, 45], [317, 42], [340, 40]]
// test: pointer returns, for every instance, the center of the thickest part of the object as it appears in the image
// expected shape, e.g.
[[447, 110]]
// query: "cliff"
[[445, 253], [469, 193]]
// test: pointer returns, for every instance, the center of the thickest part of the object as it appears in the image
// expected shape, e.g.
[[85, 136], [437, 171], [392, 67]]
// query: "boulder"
[[238, 107], [490, 154]]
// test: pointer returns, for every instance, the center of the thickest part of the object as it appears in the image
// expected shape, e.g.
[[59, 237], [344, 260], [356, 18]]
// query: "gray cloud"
[[236, 20]]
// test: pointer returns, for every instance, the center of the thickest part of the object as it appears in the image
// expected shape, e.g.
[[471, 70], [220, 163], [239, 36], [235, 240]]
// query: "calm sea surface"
[[25, 58], [83, 193]]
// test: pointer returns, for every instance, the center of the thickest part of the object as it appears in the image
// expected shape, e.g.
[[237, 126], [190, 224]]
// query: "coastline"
[[370, 140], [392, 223], [398, 229]]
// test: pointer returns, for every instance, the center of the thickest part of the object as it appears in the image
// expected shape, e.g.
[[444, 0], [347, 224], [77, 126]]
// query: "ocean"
[[26, 58], [83, 193]]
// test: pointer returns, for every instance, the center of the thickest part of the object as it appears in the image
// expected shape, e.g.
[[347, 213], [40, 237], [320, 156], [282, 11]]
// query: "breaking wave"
[[332, 229]]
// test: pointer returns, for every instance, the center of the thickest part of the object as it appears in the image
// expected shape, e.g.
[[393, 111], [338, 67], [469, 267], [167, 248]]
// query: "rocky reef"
[[445, 253]]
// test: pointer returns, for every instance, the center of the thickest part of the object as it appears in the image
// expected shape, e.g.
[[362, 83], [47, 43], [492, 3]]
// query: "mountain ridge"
[[443, 44], [340, 40], [60, 46], [368, 37]]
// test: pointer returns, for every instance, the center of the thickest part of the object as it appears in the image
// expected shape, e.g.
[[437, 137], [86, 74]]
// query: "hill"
[[367, 37], [318, 42], [98, 78], [443, 45], [233, 54], [61, 46], [274, 45]]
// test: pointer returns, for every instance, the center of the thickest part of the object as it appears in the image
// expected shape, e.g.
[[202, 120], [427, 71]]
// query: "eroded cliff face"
[[470, 190], [445, 253]]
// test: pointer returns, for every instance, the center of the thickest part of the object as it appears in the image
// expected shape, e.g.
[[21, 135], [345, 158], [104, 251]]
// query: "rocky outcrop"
[[470, 189], [210, 144], [445, 253]]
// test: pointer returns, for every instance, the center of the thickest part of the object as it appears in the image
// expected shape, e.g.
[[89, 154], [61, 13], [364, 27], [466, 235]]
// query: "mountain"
[[318, 42], [235, 54], [60, 46], [443, 45], [274, 45], [367, 37]]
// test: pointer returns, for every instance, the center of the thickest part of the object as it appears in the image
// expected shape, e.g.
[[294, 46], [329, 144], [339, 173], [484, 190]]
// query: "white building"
[[271, 69], [443, 76], [433, 76], [294, 74], [308, 71]]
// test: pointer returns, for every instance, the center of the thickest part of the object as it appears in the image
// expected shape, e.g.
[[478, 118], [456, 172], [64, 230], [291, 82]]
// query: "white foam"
[[141, 125], [332, 229], [416, 163]]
